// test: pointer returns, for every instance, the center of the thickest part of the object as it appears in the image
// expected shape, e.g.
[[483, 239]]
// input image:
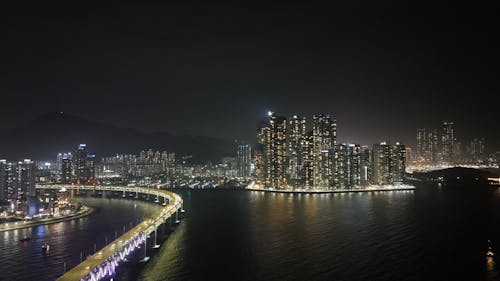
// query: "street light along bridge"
[[102, 264]]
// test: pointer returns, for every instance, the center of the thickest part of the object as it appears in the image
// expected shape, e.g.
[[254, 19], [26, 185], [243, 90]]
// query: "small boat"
[[489, 253], [45, 246], [25, 239]]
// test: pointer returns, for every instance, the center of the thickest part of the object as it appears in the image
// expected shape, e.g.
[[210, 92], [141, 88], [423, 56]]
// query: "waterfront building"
[[347, 166], [389, 163], [26, 170], [244, 160], [433, 147], [366, 167], [146, 164], [66, 169], [448, 142], [477, 153], [296, 133], [324, 141], [422, 146], [308, 156], [427, 152], [17, 184], [26, 180], [8, 177], [272, 140]]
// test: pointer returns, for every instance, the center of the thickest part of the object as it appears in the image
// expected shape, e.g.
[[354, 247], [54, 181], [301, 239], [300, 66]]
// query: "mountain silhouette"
[[42, 138]]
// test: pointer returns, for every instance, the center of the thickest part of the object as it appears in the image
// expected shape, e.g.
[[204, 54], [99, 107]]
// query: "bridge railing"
[[104, 262]]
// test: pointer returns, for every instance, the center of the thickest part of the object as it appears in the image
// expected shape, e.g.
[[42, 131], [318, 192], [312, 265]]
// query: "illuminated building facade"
[[290, 157], [365, 166], [477, 153], [244, 160], [272, 138], [296, 134], [347, 166], [8, 188], [308, 156], [428, 147], [66, 169], [324, 141], [448, 142], [84, 164], [26, 179], [388, 163]]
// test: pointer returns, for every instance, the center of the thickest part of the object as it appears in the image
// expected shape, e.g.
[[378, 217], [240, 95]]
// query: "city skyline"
[[249, 140]]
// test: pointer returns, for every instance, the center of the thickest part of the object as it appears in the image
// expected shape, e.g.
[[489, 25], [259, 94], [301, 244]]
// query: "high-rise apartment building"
[[366, 167], [308, 157], [244, 160], [296, 134], [422, 146], [84, 165], [26, 179], [389, 163], [66, 170], [272, 139], [17, 181], [324, 141], [448, 142], [477, 153], [428, 151], [347, 166]]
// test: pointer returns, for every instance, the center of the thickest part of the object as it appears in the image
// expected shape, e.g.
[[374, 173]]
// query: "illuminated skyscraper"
[[8, 180], [272, 139], [389, 163], [244, 160], [347, 166], [84, 164], [366, 167], [26, 179], [477, 150], [427, 147], [308, 156], [324, 141], [2, 179], [296, 133], [422, 145], [448, 142], [66, 170], [432, 149], [354, 165]]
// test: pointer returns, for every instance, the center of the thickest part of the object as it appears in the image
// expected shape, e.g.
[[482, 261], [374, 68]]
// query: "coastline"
[[318, 191], [83, 213]]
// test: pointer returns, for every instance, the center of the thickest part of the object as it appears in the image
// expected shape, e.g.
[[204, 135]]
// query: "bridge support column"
[[124, 193], [156, 245], [157, 196], [146, 258], [177, 216]]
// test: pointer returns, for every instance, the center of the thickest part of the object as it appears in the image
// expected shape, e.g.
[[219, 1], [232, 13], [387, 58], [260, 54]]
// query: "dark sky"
[[382, 68]]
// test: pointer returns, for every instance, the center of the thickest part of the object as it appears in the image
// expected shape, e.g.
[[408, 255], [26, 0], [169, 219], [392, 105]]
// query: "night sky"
[[381, 68]]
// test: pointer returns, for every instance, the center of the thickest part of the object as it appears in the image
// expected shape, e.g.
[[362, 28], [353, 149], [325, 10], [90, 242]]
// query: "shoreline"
[[401, 188], [83, 213]]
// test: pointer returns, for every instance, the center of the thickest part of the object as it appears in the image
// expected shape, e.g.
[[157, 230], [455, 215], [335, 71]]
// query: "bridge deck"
[[147, 226]]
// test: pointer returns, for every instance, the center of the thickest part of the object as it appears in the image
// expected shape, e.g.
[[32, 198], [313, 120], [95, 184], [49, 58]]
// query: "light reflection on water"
[[427, 234], [26, 261]]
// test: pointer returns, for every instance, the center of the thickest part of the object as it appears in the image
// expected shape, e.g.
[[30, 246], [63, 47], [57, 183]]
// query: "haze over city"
[[381, 69]]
